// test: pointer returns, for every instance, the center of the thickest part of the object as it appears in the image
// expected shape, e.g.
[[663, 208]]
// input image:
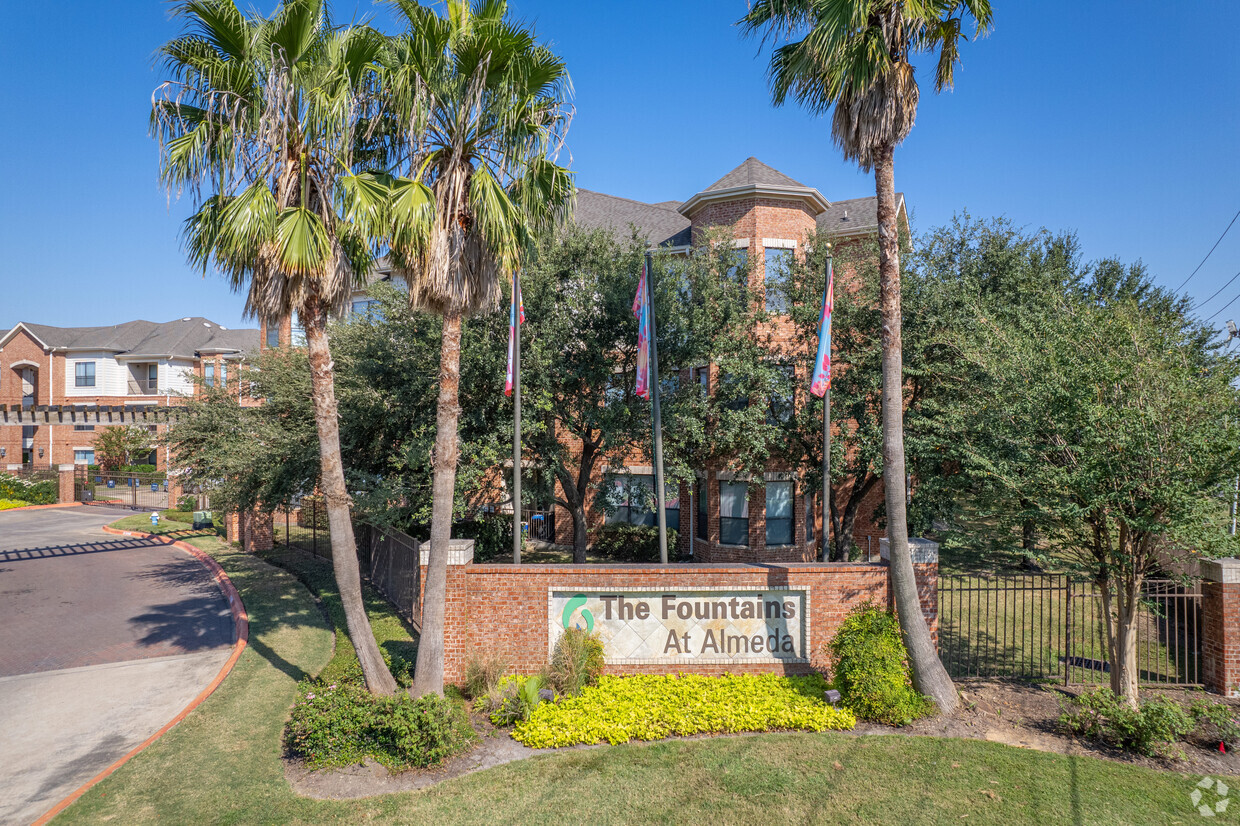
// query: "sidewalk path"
[[103, 639]]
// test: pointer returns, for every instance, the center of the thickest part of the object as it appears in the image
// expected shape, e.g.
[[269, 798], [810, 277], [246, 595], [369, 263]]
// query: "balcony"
[[143, 387]]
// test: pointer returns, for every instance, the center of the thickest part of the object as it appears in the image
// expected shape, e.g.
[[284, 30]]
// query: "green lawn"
[[222, 764]]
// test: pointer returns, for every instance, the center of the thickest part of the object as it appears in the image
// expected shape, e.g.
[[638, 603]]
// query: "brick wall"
[[502, 609]]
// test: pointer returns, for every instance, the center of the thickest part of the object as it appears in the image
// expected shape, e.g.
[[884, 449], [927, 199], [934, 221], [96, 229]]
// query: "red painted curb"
[[241, 621], [42, 507]]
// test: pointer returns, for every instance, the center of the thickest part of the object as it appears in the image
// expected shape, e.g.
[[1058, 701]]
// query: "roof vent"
[[845, 215], [205, 324], [187, 319], [222, 327]]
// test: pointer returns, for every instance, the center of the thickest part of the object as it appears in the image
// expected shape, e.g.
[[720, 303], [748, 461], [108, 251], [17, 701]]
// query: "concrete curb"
[[42, 507], [241, 624]]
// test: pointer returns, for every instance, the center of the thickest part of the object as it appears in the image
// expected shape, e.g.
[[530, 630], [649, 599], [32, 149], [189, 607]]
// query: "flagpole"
[[516, 420], [660, 506], [826, 440]]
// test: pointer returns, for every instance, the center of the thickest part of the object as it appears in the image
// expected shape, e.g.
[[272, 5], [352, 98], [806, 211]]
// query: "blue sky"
[[1115, 118]]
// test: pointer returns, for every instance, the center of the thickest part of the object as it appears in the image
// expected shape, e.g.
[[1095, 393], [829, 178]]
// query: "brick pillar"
[[1220, 626], [925, 555], [455, 618], [64, 478], [259, 531], [233, 527]]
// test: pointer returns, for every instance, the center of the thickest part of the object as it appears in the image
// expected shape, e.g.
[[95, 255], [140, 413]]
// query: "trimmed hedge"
[[653, 707], [631, 543], [871, 668], [342, 724]]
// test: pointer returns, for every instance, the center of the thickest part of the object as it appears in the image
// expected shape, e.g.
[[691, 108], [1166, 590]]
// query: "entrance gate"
[[135, 491]]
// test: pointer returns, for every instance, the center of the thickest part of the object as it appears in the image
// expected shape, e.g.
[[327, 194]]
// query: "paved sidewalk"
[[103, 640]]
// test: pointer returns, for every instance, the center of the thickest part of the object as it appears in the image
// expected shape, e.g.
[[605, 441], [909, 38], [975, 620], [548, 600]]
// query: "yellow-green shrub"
[[652, 707]]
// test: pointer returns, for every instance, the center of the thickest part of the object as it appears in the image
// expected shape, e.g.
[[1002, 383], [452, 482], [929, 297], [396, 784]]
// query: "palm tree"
[[854, 55], [260, 113], [475, 110]]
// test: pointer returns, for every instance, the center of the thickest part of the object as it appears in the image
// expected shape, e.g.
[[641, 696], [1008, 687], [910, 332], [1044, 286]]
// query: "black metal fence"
[[1049, 627], [137, 491], [395, 568]]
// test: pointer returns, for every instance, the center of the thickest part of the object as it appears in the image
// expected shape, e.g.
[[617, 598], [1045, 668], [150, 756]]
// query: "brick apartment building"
[[132, 364], [770, 217]]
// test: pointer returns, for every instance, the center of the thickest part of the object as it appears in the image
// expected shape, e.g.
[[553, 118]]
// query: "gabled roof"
[[752, 172], [660, 224], [856, 216], [183, 338], [754, 178]]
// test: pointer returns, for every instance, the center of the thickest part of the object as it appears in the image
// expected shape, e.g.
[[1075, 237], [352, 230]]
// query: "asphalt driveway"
[[103, 639]]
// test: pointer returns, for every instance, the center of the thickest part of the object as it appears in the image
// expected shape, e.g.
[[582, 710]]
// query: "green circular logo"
[[578, 601]]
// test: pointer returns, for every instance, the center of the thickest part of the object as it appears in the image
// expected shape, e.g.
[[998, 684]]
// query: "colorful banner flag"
[[641, 310], [822, 364], [517, 307]]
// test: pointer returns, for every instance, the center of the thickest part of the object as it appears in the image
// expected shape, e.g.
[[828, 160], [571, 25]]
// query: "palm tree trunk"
[[428, 673], [344, 549], [929, 675]]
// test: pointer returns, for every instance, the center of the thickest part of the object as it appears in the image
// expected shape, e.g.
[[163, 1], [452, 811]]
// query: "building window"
[[778, 513], [671, 507], [777, 266], [669, 384], [631, 496], [740, 258], [298, 335], [223, 374], [731, 395], [366, 309], [84, 374], [273, 335], [734, 513], [701, 376], [811, 511], [83, 457], [152, 378], [208, 374], [86, 427], [782, 396], [702, 528]]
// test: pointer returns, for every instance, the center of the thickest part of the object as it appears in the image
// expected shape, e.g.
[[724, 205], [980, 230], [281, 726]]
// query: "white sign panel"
[[705, 626]]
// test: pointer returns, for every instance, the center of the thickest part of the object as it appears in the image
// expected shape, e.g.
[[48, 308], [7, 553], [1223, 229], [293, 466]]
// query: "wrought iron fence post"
[[1067, 641]]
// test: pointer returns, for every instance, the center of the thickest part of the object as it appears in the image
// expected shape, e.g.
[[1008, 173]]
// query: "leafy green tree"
[[261, 114], [473, 113], [731, 403], [1135, 429], [579, 349], [856, 380], [252, 456], [855, 58], [117, 447], [387, 406]]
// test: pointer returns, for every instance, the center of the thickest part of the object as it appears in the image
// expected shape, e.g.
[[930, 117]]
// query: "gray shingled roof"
[[660, 224], [752, 172], [184, 337], [862, 215]]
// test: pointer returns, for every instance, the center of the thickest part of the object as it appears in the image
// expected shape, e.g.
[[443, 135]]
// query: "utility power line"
[[1211, 252], [1216, 292], [1224, 307]]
